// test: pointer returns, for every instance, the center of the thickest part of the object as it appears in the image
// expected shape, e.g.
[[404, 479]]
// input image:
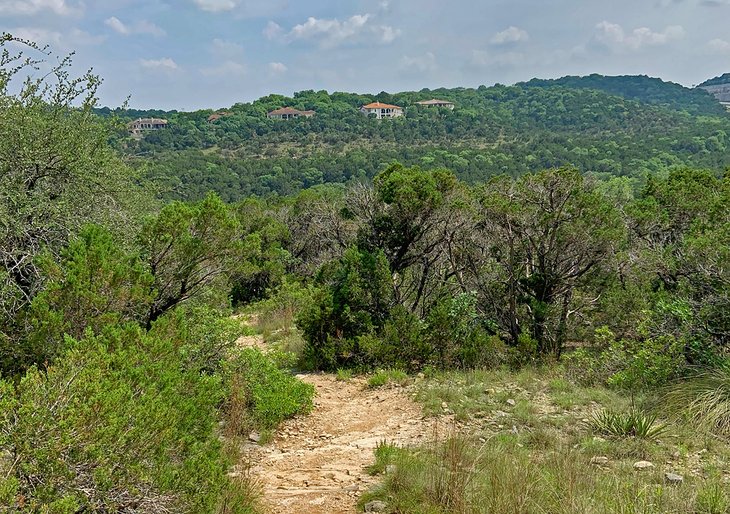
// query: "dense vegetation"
[[617, 126], [123, 389]]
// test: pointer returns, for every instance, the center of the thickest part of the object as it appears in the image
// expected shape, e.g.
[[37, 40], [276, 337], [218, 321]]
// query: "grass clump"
[[703, 400], [626, 424], [343, 375], [384, 377]]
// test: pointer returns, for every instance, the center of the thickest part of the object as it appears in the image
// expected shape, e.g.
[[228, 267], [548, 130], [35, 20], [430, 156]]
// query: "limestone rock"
[[673, 478], [599, 460], [643, 464], [375, 506]]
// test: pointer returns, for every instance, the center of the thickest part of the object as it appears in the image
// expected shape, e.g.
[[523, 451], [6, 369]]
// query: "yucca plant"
[[703, 400], [626, 424]]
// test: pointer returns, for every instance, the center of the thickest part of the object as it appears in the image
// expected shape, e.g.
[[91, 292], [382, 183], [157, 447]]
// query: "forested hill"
[[615, 126], [642, 88], [717, 81]]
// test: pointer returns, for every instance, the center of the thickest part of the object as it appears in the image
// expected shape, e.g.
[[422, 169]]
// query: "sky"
[[195, 54]]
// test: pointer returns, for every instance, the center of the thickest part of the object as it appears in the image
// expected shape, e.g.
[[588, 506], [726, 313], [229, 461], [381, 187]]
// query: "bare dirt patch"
[[316, 463]]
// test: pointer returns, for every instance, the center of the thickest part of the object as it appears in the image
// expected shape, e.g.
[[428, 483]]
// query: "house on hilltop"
[[216, 116], [382, 110], [142, 124], [288, 113], [436, 103]]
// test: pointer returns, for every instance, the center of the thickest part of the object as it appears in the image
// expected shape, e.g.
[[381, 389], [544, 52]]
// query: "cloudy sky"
[[187, 54]]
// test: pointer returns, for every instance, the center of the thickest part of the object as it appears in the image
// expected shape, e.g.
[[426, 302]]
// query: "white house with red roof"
[[381, 110], [289, 113]]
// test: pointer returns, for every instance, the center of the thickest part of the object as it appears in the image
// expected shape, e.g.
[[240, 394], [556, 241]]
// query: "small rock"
[[482, 440], [254, 436], [643, 464], [490, 391], [514, 430], [352, 488], [673, 478], [511, 402], [390, 469], [676, 455], [597, 439], [444, 405], [375, 506], [599, 460]]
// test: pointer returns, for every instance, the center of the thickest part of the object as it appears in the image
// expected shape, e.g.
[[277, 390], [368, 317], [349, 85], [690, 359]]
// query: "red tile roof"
[[378, 105], [289, 110]]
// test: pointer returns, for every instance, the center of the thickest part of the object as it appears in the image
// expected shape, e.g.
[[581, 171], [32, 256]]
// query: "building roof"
[[433, 101], [150, 121], [217, 116], [288, 110], [378, 105]]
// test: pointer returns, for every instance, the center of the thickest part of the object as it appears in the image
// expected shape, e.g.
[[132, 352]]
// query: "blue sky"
[[188, 54]]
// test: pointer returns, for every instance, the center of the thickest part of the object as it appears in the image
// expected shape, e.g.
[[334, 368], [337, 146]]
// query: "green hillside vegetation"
[[717, 81], [617, 126], [602, 291]]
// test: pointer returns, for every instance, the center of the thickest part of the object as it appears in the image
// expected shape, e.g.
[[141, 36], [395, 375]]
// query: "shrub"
[[628, 424], [271, 394], [116, 424]]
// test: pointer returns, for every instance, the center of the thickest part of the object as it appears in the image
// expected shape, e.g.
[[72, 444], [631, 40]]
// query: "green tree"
[[546, 236], [189, 250], [57, 171]]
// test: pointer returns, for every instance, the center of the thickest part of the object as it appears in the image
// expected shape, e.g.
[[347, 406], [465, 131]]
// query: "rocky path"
[[315, 463]]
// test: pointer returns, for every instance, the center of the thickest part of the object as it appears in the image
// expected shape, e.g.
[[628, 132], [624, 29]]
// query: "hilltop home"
[[382, 110], [288, 113], [218, 115], [141, 124], [436, 103]]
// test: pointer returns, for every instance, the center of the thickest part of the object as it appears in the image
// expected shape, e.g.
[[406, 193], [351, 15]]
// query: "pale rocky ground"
[[315, 464]]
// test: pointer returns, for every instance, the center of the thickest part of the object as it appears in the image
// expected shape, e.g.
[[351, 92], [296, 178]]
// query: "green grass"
[[385, 377], [344, 375], [535, 455]]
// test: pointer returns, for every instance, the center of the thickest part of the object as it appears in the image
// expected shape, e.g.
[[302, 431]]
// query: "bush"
[[117, 424], [629, 424], [271, 394]]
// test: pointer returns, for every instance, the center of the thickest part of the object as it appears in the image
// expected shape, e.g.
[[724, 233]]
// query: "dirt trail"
[[315, 463]]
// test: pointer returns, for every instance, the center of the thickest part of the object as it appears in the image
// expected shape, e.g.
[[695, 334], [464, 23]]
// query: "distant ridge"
[[719, 87], [641, 88]]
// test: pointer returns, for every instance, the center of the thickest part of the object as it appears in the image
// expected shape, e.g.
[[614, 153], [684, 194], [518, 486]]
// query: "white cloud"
[[420, 64], [57, 41], [165, 63], [116, 25], [141, 27], [333, 32], [612, 34], [719, 46], [272, 30], [387, 33], [28, 7], [510, 35], [216, 5], [277, 67]]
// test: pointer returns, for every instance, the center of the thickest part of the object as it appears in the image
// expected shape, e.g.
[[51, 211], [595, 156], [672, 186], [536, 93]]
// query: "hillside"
[[624, 126]]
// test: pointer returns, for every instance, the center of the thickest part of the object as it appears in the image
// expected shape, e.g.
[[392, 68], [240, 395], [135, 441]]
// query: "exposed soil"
[[316, 463]]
